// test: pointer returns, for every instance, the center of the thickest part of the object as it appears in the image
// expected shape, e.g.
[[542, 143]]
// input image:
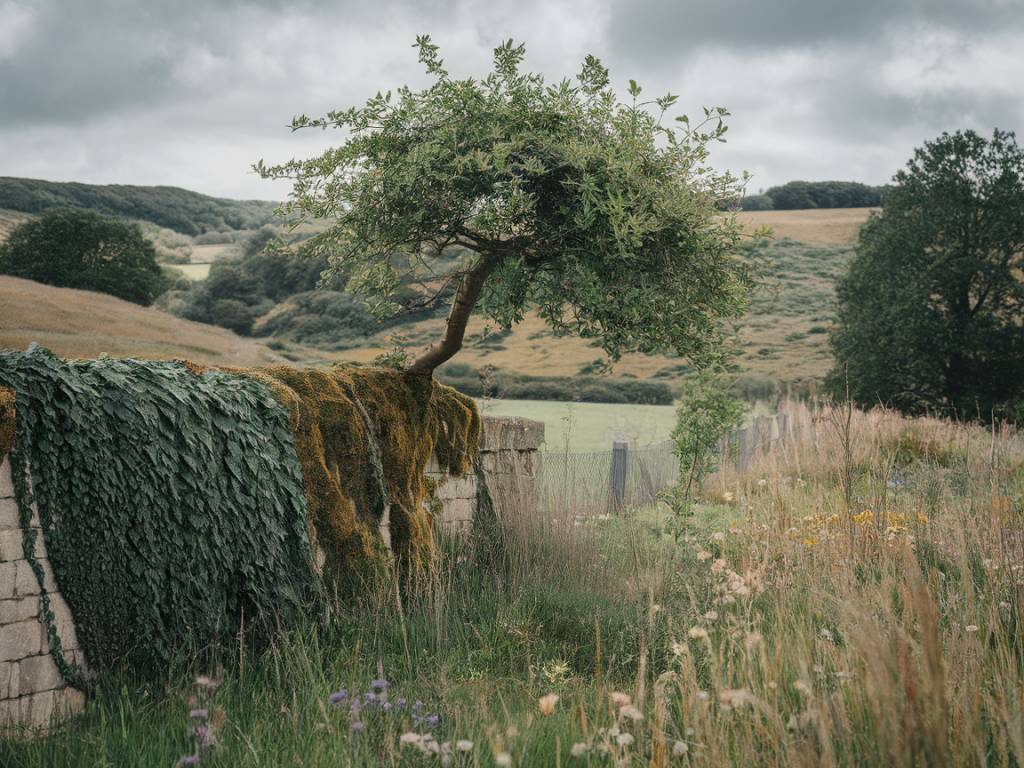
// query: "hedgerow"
[[171, 503]]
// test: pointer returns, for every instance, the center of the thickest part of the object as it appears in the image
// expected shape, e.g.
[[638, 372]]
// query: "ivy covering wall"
[[172, 504], [179, 503]]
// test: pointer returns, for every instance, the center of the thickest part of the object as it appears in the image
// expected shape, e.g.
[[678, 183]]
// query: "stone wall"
[[511, 463], [32, 690]]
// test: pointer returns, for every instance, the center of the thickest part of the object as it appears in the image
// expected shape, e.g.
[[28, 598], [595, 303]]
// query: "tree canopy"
[[76, 248], [509, 194], [931, 312]]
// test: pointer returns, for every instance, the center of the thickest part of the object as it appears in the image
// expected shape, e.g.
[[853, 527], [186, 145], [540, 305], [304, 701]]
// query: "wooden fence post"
[[620, 456]]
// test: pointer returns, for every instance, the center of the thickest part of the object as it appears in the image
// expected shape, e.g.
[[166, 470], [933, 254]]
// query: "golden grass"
[[79, 324], [827, 226], [11, 219]]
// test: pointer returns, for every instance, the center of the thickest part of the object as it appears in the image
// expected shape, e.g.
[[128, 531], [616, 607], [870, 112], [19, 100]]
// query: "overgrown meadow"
[[853, 598]]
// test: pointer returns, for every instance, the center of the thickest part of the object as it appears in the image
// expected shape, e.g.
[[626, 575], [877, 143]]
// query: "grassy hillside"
[[784, 337], [178, 209], [9, 220], [84, 324]]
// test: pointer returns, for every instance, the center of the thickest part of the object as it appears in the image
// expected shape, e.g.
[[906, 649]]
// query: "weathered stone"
[[68, 701], [20, 640], [503, 433], [64, 622], [25, 581], [38, 673], [10, 712], [8, 579], [9, 518], [8, 680], [6, 483], [458, 510], [36, 710], [18, 609], [457, 488]]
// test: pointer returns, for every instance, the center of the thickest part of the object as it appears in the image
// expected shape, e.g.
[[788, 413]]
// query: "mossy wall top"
[[6, 421], [175, 500]]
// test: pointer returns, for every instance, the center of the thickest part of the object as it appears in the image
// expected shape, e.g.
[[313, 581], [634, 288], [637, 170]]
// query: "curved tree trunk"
[[466, 296]]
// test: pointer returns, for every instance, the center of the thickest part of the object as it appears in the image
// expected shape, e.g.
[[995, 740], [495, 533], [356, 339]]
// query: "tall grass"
[[851, 598]]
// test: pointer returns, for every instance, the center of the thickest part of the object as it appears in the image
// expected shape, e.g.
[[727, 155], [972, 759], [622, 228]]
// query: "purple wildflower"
[[380, 685], [338, 697], [400, 703], [358, 726], [188, 760], [199, 714], [370, 699]]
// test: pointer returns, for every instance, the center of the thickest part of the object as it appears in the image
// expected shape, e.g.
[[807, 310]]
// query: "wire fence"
[[605, 482]]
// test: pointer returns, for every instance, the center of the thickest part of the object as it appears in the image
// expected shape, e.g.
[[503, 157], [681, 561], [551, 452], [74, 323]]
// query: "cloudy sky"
[[192, 92]]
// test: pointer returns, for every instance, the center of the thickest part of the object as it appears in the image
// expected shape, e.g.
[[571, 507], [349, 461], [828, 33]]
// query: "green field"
[[589, 426], [193, 271]]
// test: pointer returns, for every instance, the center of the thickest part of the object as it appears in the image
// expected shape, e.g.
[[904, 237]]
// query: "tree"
[[76, 248], [931, 311], [508, 194]]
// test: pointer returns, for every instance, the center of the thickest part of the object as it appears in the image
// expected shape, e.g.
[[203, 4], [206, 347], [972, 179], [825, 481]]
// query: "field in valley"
[[852, 600]]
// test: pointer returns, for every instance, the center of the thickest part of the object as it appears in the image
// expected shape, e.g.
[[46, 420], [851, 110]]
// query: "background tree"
[[930, 314], [76, 248], [510, 194]]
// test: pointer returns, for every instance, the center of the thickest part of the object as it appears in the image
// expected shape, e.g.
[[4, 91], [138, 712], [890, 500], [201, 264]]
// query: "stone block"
[[504, 433], [20, 640], [25, 581], [8, 680], [6, 483], [67, 702], [457, 488], [11, 545], [18, 609], [458, 510], [36, 710], [10, 713], [64, 622], [9, 517], [8, 577], [38, 673]]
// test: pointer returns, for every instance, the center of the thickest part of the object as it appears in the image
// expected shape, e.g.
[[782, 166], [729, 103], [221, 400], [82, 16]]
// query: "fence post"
[[620, 456]]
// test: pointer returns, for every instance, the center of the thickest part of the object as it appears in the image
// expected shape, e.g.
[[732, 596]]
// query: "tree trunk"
[[469, 290]]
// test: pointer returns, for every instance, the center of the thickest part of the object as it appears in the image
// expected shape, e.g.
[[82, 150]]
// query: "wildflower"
[[753, 640], [188, 760], [579, 749], [810, 541], [680, 748], [631, 712], [207, 683], [971, 628], [719, 565], [718, 536], [358, 726], [680, 649], [464, 745], [409, 737], [204, 736], [825, 633], [624, 739], [379, 685], [703, 555], [728, 496], [762, 482], [547, 703], [620, 699], [1004, 605], [503, 759], [199, 714], [703, 695], [338, 697], [922, 518], [698, 633], [711, 615]]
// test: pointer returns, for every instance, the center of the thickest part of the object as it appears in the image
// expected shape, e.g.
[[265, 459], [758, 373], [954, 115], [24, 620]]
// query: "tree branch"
[[466, 296]]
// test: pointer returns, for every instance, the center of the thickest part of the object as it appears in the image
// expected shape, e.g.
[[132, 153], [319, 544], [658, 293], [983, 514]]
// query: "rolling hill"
[[81, 324]]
